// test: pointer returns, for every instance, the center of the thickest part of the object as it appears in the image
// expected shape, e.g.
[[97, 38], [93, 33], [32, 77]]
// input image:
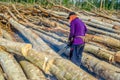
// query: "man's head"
[[70, 14]]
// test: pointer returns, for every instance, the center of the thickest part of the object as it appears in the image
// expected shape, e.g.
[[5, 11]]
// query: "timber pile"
[[31, 36]]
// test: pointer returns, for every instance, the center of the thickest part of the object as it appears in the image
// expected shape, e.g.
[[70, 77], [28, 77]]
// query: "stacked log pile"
[[46, 30]]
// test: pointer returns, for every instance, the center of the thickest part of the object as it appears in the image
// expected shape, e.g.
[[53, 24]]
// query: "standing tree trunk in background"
[[61, 2], [112, 5], [101, 4]]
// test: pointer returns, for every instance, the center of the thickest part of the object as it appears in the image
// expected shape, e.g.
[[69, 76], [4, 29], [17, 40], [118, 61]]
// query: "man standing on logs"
[[76, 38]]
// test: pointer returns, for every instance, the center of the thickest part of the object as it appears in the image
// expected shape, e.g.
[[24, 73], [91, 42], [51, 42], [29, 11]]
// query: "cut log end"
[[26, 48], [117, 57], [116, 27]]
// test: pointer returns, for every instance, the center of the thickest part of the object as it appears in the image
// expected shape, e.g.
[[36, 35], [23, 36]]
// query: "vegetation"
[[84, 4]]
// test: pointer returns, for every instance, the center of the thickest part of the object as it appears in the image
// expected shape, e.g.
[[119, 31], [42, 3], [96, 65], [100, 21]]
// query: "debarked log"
[[32, 72], [102, 27], [104, 69], [15, 47], [114, 35], [100, 52], [38, 58], [109, 41], [97, 51], [6, 35], [11, 67]]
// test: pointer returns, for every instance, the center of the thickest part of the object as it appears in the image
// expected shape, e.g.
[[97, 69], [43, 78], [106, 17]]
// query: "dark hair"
[[71, 13]]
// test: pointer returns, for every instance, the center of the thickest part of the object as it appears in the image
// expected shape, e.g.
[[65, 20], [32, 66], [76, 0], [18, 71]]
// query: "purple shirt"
[[77, 28]]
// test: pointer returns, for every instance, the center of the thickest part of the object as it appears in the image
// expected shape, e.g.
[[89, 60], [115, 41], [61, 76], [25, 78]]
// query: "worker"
[[76, 38]]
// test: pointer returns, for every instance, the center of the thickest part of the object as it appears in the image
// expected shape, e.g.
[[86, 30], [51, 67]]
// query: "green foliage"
[[83, 4]]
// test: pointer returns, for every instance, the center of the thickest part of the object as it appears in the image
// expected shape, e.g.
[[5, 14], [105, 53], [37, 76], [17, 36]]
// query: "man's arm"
[[72, 31]]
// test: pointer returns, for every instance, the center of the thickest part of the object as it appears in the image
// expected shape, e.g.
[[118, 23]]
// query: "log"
[[11, 67], [38, 58], [1, 74], [104, 32], [32, 72], [100, 52], [106, 75], [97, 51], [15, 47], [109, 41], [6, 35], [49, 13], [59, 38], [102, 27], [105, 70], [105, 16]]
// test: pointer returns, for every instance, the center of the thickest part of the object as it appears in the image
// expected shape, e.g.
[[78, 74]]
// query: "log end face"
[[25, 49], [116, 27], [117, 56]]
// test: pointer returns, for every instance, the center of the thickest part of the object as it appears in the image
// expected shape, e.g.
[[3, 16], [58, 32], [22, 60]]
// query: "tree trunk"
[[103, 32], [11, 67], [32, 72], [111, 42], [102, 27], [15, 47], [38, 58], [104, 69], [99, 52], [6, 35]]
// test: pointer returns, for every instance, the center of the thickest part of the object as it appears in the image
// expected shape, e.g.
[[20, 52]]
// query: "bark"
[[111, 42], [105, 16], [102, 27], [38, 58], [1, 74], [100, 52], [32, 72], [6, 35], [97, 51], [11, 67], [49, 13], [103, 32], [15, 47], [104, 69], [85, 18], [59, 38]]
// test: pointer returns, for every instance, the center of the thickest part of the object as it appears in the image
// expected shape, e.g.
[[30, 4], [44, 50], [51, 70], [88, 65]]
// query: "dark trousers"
[[76, 54]]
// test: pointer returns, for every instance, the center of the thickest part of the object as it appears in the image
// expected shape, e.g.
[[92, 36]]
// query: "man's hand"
[[69, 44], [70, 41]]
